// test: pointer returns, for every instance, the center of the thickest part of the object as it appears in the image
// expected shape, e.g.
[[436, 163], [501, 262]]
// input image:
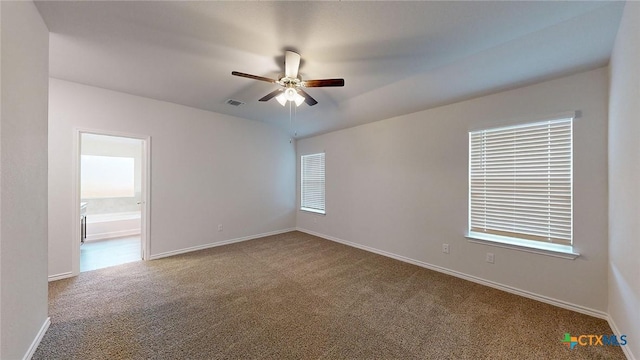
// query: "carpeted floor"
[[296, 296]]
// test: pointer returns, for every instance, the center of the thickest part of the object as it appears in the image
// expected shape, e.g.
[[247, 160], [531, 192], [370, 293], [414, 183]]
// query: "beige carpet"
[[296, 296]]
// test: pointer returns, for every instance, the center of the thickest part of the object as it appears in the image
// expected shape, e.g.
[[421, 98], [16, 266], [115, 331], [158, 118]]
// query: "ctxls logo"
[[594, 340]]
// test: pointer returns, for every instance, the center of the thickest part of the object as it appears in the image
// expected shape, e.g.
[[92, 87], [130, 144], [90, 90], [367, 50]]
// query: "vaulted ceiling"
[[396, 57]]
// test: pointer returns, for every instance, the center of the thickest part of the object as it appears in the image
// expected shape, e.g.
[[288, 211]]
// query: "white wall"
[[206, 169], [400, 185], [624, 179], [23, 178]]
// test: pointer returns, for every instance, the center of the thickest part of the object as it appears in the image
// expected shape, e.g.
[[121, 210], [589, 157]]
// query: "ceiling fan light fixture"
[[290, 94]]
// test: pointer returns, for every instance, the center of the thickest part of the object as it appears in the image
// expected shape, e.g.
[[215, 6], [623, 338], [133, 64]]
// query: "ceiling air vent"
[[234, 102]]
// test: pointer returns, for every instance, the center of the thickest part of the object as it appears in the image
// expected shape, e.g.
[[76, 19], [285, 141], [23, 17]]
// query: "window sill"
[[555, 250], [316, 211]]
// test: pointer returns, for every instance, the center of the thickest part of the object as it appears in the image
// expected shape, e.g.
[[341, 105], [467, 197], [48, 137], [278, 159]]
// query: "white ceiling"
[[396, 57]]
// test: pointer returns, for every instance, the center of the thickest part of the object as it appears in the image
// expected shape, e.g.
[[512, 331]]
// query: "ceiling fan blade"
[[254, 77], [291, 64], [270, 95], [307, 98], [322, 83]]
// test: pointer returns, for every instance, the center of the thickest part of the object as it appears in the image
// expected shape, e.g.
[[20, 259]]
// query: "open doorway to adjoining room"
[[112, 200]]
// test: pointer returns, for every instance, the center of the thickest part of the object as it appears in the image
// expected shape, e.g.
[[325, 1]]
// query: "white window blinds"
[[520, 181], [312, 183]]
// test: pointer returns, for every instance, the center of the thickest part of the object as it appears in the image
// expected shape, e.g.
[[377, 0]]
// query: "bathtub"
[[107, 226]]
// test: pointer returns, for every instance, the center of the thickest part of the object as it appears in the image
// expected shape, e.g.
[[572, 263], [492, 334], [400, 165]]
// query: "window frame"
[[513, 242], [321, 211]]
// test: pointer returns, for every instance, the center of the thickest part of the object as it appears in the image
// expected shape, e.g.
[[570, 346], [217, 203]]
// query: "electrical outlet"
[[445, 248], [220, 227], [490, 258]]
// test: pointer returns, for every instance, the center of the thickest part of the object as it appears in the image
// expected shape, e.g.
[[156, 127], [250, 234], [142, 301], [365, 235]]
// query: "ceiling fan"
[[292, 83]]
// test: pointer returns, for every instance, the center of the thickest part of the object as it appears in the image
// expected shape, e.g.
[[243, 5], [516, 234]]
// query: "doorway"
[[112, 193]]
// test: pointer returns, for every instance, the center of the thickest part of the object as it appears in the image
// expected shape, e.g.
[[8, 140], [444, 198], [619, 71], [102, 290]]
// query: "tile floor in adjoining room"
[[99, 254]]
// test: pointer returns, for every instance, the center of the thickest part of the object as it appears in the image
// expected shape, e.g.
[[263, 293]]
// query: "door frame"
[[145, 196]]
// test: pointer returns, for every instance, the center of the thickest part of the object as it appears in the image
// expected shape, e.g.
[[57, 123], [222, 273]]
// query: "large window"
[[106, 177], [312, 183], [520, 183]]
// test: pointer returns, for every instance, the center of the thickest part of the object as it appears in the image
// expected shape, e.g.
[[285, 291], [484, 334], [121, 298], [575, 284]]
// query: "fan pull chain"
[[290, 122], [295, 117]]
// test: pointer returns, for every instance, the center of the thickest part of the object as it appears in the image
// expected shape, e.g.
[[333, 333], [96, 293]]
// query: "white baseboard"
[[475, 279], [219, 243], [60, 276], [112, 234], [36, 341], [625, 349]]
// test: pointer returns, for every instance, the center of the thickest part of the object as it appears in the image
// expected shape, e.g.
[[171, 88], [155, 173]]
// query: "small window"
[[312, 183], [520, 183]]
